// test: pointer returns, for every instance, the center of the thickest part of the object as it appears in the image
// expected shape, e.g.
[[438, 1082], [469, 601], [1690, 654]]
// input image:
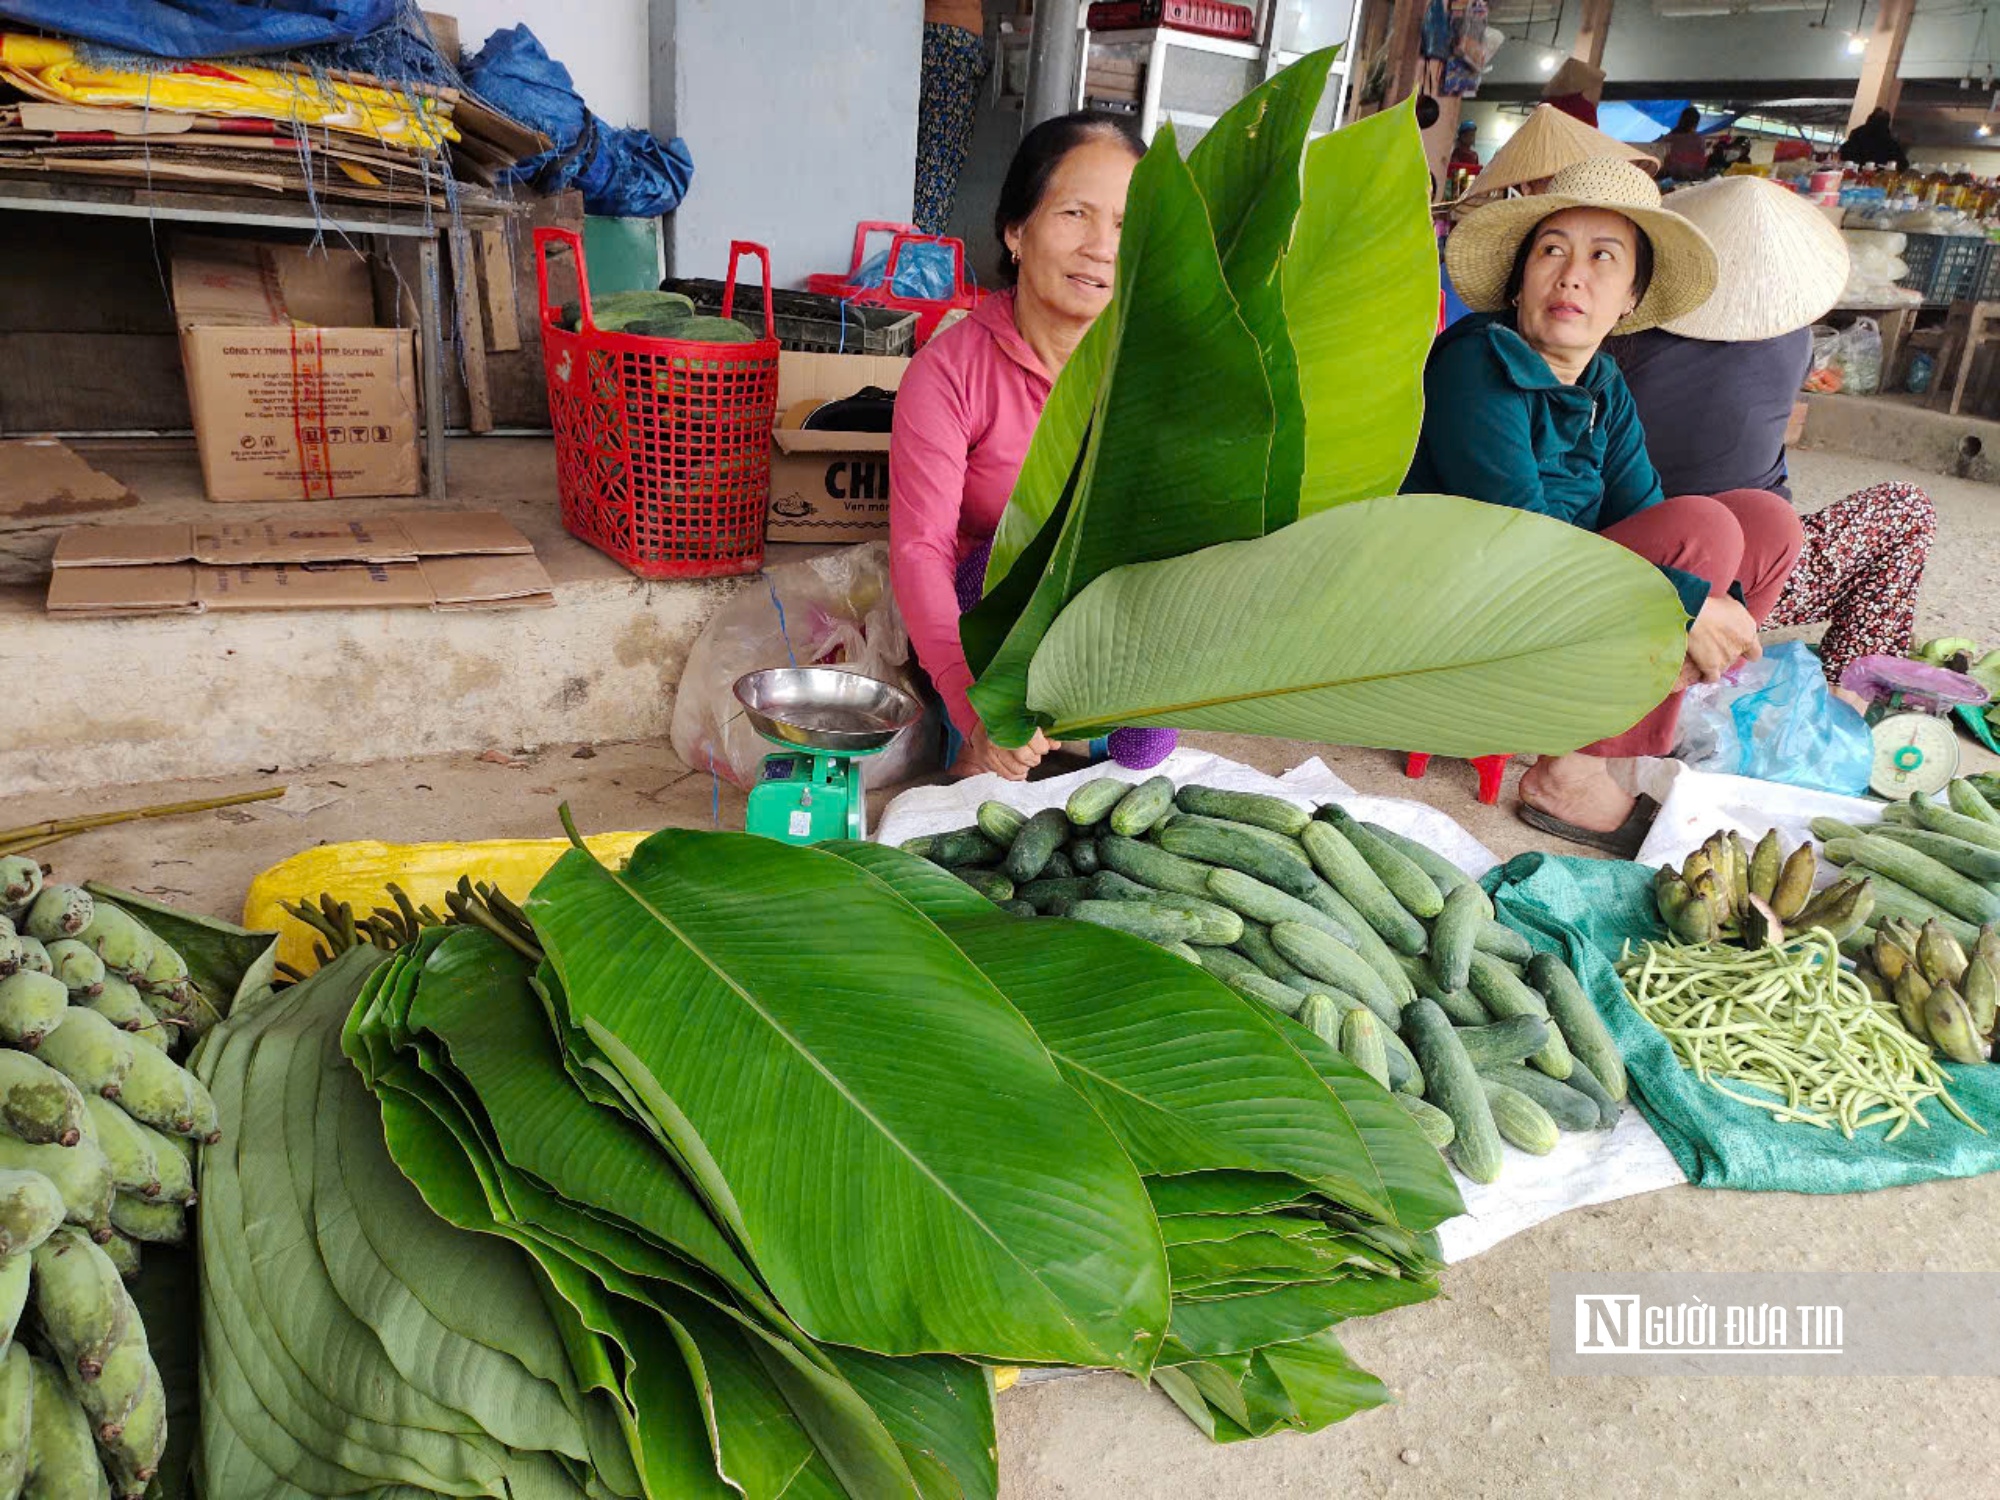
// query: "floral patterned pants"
[[1863, 561], [954, 62]]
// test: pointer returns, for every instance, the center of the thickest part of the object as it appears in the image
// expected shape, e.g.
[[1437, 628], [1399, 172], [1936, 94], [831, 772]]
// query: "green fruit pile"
[[1945, 995], [98, 1130]]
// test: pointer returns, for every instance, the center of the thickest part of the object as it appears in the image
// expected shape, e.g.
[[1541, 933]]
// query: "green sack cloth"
[[1973, 722], [1586, 910]]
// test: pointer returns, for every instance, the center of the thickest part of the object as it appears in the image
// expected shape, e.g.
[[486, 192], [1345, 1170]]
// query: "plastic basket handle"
[[572, 241], [737, 250], [912, 237], [861, 232]]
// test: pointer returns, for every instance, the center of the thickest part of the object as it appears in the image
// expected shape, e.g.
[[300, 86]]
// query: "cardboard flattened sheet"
[[42, 481], [433, 559]]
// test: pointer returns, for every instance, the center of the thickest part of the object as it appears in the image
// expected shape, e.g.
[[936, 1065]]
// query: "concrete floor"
[[1477, 1412]]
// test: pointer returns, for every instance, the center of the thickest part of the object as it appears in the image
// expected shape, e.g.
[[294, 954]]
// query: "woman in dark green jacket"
[[1522, 409]]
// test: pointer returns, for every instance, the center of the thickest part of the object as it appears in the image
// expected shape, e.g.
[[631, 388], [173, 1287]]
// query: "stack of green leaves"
[[785, 1147], [1206, 533]]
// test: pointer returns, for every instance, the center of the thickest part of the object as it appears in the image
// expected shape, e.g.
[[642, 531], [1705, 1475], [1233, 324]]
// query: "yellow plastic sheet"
[[361, 873], [50, 69]]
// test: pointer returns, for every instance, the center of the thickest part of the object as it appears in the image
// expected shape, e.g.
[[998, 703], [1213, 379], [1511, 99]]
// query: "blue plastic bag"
[[203, 28], [928, 271], [1778, 721]]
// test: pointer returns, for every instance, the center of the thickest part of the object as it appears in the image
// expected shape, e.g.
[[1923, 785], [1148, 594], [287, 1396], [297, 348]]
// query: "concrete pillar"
[[1055, 51], [1441, 137], [1880, 87], [1593, 24]]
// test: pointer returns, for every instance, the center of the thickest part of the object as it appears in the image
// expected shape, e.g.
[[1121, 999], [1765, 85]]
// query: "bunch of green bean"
[[1787, 1020]]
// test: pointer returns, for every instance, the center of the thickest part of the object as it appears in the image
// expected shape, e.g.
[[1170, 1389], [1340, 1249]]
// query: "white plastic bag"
[[831, 611]]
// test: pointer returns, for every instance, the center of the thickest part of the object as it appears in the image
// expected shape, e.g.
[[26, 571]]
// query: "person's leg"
[[1772, 539], [1696, 534], [954, 62], [1859, 574]]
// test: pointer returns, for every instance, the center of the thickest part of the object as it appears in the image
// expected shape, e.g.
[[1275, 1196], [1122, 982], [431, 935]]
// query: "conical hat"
[[1782, 263], [1548, 142], [1575, 76]]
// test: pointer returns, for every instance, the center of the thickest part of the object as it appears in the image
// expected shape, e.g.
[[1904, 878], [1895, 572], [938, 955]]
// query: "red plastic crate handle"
[[737, 250], [570, 240], [913, 237], [861, 232]]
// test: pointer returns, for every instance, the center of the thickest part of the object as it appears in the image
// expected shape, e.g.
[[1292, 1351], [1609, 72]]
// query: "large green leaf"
[[1248, 167], [1361, 301], [836, 1101], [1413, 622], [1179, 359], [1188, 1073]]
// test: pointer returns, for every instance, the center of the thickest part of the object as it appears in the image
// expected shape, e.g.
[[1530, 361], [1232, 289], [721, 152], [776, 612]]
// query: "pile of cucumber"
[[1383, 947], [1927, 861]]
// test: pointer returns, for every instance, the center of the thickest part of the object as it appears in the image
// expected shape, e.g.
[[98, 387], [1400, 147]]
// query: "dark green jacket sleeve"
[[1631, 484], [1485, 452]]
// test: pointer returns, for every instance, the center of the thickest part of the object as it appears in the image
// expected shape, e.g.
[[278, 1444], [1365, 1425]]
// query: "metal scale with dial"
[[825, 723], [1909, 716]]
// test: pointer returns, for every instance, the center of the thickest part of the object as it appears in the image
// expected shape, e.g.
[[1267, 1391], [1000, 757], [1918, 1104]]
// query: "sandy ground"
[[1477, 1412]]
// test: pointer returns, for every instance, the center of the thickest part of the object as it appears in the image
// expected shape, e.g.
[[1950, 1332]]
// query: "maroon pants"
[[1748, 537]]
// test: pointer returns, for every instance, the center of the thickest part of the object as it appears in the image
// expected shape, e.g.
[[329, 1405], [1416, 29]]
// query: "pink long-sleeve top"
[[964, 415]]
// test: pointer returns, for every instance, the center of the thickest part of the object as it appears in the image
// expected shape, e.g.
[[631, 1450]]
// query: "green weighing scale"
[[1909, 719], [825, 723]]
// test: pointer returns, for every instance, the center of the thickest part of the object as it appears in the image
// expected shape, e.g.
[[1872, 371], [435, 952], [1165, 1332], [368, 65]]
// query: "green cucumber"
[[1182, 950], [1453, 1085], [1350, 875], [1327, 958], [1083, 856], [1585, 1082], [1245, 852], [1226, 963], [1365, 940], [1405, 878], [1255, 944], [1504, 994], [1058, 868], [1092, 802], [1447, 876], [1404, 1076], [964, 846], [1019, 908], [1153, 866], [1520, 1121], [1045, 894], [1277, 841], [991, 884], [1281, 998], [1253, 808], [1267, 904], [1000, 823], [1943, 820], [921, 845], [1321, 1016], [1219, 925], [1038, 839], [1142, 919], [1505, 1041], [1142, 807], [1361, 1040], [1893, 899], [1583, 1030], [1454, 933], [1966, 801], [1974, 861], [1503, 942], [1935, 882], [1571, 1109], [1432, 1121]]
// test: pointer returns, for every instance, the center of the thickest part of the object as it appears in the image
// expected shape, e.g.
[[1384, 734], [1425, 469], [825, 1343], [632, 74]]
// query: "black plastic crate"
[[809, 323], [1947, 268]]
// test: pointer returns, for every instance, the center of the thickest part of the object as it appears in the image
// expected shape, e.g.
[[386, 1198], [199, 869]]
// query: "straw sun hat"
[[1480, 253], [1782, 263]]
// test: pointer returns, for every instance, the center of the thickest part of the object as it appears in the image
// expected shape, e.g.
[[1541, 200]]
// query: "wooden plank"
[[471, 329], [1593, 25], [1879, 87], [496, 280], [1406, 53]]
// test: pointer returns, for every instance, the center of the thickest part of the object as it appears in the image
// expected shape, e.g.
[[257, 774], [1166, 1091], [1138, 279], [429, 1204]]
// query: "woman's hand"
[[979, 753], [1724, 633]]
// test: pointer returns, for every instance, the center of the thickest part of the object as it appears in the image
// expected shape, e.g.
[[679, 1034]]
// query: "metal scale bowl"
[[1910, 703], [824, 722]]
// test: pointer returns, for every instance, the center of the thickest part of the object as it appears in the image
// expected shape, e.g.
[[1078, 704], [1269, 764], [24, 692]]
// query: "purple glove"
[[1134, 749]]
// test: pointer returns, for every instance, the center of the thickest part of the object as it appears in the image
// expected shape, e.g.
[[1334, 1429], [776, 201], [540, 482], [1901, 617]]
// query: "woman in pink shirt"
[[970, 401]]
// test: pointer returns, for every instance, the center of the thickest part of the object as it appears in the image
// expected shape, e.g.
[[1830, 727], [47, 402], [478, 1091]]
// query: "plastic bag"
[[831, 611], [1778, 721], [925, 271], [1849, 360]]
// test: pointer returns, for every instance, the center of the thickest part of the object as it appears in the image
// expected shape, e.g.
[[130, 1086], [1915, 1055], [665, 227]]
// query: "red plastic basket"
[[663, 446], [929, 312], [1236, 23]]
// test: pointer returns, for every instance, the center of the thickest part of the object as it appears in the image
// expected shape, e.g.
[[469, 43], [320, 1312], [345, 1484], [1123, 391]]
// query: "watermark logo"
[[1805, 1323]]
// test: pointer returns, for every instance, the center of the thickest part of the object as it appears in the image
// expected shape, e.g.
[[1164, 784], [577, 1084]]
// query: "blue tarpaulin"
[[627, 173], [203, 28]]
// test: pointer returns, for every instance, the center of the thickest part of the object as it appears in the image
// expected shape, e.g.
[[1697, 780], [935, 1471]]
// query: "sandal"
[[1622, 842]]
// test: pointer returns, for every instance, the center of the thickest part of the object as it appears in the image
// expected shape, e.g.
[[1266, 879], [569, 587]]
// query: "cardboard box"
[[296, 394], [829, 486], [438, 559]]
